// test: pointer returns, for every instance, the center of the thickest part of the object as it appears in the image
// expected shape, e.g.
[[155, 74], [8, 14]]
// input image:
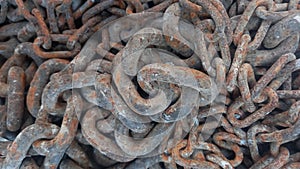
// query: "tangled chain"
[[149, 84]]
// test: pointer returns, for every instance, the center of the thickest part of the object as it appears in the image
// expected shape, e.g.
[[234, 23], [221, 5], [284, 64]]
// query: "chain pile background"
[[149, 84]]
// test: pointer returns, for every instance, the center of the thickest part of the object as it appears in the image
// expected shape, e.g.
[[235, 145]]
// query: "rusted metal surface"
[[149, 84]]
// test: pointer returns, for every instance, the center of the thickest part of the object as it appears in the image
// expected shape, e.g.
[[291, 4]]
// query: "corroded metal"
[[149, 84]]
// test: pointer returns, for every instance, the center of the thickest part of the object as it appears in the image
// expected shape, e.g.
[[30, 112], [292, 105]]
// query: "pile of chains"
[[149, 84]]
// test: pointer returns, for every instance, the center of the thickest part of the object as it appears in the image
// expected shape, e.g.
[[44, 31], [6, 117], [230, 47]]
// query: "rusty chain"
[[149, 84]]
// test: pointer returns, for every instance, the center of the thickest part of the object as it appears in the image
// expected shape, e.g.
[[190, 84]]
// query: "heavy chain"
[[149, 84]]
